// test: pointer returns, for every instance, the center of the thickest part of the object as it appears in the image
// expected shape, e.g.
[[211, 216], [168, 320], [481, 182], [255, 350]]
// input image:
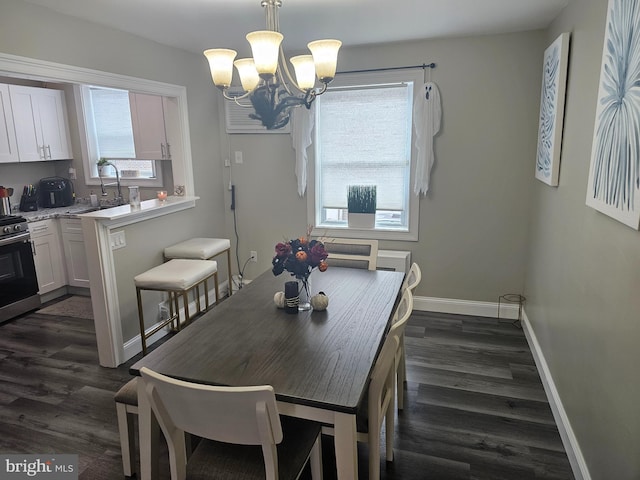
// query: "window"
[[364, 137], [109, 134]]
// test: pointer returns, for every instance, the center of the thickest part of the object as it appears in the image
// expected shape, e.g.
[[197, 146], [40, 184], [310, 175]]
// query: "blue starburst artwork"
[[554, 80], [614, 175]]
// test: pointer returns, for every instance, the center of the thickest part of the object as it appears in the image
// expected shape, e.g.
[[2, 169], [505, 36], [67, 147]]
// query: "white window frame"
[[89, 145], [411, 234]]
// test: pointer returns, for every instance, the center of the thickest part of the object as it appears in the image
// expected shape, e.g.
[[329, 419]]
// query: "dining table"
[[318, 362]]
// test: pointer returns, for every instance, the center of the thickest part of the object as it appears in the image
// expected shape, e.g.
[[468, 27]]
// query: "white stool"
[[126, 407], [176, 277], [203, 249]]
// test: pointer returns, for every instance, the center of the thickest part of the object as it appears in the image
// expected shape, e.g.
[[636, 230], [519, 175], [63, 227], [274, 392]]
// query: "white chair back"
[[413, 278], [239, 415], [399, 323], [401, 314], [351, 252]]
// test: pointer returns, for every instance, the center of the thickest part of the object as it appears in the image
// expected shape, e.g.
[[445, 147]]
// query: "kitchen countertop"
[[71, 211]]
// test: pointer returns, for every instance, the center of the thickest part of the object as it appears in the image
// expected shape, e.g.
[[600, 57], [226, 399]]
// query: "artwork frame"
[[551, 119], [614, 173]]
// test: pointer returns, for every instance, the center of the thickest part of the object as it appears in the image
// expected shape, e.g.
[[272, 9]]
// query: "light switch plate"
[[117, 240]]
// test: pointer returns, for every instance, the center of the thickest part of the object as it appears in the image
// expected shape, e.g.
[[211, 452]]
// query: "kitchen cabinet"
[[40, 120], [8, 145], [74, 253], [148, 114], [47, 255]]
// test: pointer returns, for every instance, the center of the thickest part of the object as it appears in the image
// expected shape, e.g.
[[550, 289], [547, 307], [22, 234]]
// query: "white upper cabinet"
[[40, 121], [149, 132], [8, 145]]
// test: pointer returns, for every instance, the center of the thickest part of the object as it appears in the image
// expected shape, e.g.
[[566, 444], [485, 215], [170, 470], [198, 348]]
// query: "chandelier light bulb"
[[249, 77], [305, 71], [325, 57], [265, 47], [221, 65]]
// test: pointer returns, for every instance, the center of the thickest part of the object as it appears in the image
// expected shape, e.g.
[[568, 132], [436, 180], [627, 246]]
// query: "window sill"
[[379, 233]]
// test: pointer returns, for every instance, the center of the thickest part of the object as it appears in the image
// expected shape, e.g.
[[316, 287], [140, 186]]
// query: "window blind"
[[112, 115], [364, 139]]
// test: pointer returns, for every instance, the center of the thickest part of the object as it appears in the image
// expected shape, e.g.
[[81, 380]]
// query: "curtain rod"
[[424, 66]]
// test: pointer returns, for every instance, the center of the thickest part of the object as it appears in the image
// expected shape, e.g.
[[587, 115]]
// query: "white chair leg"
[[127, 438], [389, 431], [315, 461]]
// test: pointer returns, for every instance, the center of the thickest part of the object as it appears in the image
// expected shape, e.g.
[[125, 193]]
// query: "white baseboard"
[[569, 440], [510, 311], [465, 307]]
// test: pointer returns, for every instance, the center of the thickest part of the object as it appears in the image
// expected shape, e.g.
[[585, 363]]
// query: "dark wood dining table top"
[[316, 358]]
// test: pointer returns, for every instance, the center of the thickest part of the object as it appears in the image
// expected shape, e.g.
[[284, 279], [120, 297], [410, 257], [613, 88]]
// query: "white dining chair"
[[243, 436], [351, 252], [381, 405], [398, 324], [378, 407], [413, 278]]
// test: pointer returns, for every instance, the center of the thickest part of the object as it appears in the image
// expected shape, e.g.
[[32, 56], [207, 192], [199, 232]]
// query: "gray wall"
[[583, 280], [473, 221]]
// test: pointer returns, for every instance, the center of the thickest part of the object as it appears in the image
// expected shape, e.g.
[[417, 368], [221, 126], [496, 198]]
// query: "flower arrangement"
[[299, 257]]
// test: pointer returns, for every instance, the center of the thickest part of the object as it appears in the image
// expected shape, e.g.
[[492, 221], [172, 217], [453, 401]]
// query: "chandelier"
[[266, 79]]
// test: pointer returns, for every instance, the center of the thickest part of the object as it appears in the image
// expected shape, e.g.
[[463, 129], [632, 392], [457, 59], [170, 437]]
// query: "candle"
[[162, 195]]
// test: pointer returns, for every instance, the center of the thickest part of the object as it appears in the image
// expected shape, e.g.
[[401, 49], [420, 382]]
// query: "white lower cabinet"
[[74, 252], [48, 255]]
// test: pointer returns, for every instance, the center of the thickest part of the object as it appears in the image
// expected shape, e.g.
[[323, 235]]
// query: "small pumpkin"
[[279, 299], [301, 256], [320, 302]]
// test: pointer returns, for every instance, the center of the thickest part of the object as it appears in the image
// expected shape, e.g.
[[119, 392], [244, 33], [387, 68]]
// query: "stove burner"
[[11, 225]]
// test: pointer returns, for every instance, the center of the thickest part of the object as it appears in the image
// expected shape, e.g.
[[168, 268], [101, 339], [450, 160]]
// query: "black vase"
[[291, 297]]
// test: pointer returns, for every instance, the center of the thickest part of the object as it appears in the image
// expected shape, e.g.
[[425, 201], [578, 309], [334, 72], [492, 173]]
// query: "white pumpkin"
[[279, 299], [320, 302]]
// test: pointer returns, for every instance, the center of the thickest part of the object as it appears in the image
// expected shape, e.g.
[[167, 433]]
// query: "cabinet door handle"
[[42, 155], [49, 149], [162, 153], [168, 151], [33, 248]]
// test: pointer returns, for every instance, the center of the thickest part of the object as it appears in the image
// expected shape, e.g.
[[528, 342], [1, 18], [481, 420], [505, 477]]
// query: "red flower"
[[283, 249], [317, 253]]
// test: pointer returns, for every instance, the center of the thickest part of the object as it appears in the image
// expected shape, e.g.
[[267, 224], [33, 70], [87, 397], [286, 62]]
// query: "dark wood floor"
[[475, 407]]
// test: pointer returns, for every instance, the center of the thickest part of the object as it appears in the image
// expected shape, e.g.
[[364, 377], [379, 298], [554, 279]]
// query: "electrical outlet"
[[253, 255]]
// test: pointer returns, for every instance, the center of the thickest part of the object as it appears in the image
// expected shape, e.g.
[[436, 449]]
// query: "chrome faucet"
[[118, 196]]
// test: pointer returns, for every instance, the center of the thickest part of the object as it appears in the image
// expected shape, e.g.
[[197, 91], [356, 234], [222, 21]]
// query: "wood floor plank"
[[475, 408], [508, 407]]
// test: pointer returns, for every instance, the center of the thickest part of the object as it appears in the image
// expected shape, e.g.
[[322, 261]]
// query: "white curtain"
[[302, 122], [427, 113]]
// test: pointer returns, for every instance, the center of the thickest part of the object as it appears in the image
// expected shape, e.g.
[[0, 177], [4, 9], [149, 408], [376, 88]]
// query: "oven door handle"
[[22, 237]]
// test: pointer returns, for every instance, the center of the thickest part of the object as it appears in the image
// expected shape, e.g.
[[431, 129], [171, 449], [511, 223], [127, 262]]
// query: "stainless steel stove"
[[18, 281]]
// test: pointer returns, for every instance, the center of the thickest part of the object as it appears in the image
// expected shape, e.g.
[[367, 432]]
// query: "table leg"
[[148, 436], [346, 445]]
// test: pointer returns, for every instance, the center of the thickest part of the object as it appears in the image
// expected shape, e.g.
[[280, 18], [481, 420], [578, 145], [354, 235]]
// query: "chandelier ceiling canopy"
[[266, 79]]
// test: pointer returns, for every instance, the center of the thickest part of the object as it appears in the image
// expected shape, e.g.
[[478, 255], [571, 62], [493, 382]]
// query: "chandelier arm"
[[235, 97]]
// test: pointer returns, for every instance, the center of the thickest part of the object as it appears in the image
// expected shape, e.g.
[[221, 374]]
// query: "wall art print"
[[554, 82], [614, 174]]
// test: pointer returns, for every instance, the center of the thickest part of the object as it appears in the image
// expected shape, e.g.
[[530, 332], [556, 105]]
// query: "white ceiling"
[[195, 25]]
